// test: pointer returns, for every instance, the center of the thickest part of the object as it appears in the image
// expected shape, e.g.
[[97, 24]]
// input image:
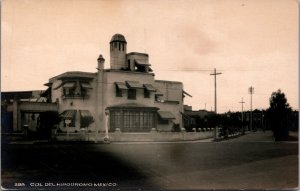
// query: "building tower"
[[100, 92], [118, 49]]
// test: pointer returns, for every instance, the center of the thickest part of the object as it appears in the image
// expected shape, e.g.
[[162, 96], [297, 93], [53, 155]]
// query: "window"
[[115, 120], [131, 93], [76, 89], [86, 118], [71, 124], [158, 98], [119, 46], [146, 93], [119, 87], [148, 119], [126, 119], [131, 120], [69, 117], [69, 92], [118, 92], [83, 92]]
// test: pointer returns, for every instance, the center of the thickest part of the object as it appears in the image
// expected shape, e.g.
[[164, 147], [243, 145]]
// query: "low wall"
[[135, 137]]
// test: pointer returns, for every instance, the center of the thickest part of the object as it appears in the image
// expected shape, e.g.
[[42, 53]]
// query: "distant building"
[[197, 119], [126, 97], [22, 108]]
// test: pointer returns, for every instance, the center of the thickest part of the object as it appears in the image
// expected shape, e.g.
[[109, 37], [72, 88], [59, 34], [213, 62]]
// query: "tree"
[[278, 114]]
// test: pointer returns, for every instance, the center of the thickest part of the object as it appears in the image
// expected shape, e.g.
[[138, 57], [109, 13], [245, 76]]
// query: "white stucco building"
[[126, 97], [122, 103]]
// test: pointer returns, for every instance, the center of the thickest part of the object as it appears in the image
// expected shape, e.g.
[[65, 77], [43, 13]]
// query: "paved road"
[[232, 164]]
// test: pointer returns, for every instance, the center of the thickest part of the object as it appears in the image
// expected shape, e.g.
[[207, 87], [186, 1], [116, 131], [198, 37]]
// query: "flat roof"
[[128, 71], [166, 81], [74, 74], [137, 53], [19, 94]]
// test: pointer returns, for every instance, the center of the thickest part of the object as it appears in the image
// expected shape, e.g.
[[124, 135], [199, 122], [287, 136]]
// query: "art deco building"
[[124, 98]]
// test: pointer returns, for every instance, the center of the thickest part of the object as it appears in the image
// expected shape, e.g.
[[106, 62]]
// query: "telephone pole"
[[215, 75], [242, 102], [251, 91]]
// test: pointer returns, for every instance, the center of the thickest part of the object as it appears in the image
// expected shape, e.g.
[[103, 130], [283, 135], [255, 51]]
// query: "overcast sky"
[[252, 42]]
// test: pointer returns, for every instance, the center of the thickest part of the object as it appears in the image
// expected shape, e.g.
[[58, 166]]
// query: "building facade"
[[125, 98]]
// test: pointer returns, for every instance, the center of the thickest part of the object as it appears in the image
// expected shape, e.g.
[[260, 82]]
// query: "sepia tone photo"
[[149, 95]]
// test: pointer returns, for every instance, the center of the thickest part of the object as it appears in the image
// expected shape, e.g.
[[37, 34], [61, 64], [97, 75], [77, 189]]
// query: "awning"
[[166, 115], [68, 114], [141, 63], [85, 114], [149, 87], [121, 85], [185, 93], [49, 84], [58, 86], [69, 85], [86, 118], [86, 85], [134, 84]]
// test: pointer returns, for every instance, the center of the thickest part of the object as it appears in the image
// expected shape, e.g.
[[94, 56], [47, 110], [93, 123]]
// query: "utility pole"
[[242, 102], [215, 75], [251, 91]]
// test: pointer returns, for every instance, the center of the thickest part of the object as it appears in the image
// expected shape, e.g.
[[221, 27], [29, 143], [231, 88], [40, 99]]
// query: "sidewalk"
[[257, 136], [260, 136]]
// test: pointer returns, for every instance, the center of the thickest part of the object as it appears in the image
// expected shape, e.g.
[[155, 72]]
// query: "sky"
[[251, 42]]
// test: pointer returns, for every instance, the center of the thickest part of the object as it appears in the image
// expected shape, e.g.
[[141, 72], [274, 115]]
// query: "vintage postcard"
[[149, 95]]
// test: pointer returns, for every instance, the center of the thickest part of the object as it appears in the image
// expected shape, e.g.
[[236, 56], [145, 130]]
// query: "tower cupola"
[[101, 61], [118, 49]]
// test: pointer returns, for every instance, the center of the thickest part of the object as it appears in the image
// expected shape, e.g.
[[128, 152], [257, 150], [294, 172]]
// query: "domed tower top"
[[118, 38], [118, 49]]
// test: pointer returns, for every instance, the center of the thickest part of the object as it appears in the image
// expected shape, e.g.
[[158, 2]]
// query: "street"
[[239, 163]]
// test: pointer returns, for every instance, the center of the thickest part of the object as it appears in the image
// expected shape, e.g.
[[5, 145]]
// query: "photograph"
[[149, 95]]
